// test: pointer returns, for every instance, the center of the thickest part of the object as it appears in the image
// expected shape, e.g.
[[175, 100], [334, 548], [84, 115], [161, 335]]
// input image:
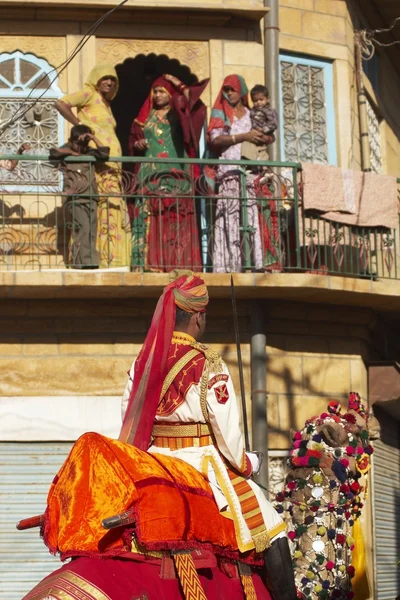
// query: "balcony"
[[212, 216]]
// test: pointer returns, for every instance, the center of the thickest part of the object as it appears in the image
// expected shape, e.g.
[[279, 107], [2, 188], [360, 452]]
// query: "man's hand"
[[256, 459], [24, 148]]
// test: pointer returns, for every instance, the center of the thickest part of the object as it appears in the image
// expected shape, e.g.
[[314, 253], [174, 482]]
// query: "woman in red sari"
[[164, 221]]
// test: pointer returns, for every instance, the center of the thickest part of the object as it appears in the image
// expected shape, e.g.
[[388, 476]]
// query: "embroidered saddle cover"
[[173, 503]]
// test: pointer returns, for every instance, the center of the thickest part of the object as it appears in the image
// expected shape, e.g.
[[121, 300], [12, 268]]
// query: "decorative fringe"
[[188, 576], [262, 541]]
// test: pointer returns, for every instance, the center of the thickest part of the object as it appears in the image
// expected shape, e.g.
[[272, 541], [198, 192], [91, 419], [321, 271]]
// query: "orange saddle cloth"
[[172, 502]]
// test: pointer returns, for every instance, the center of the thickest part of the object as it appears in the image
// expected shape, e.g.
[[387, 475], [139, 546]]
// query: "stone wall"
[[212, 46], [325, 29], [75, 347]]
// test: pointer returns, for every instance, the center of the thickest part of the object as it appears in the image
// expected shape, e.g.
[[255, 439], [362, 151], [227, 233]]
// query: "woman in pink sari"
[[229, 127]]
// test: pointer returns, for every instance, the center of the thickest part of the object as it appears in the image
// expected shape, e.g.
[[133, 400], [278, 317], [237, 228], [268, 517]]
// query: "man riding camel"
[[180, 401]]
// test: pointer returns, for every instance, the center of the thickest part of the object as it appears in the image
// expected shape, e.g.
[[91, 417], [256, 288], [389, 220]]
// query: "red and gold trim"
[[182, 435], [250, 508], [188, 577], [66, 586], [183, 442]]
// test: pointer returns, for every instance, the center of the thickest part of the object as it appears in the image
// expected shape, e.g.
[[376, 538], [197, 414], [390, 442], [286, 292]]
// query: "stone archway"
[[139, 62], [136, 76]]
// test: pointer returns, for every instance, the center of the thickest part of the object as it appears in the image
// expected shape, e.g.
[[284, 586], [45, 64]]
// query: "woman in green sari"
[[164, 220]]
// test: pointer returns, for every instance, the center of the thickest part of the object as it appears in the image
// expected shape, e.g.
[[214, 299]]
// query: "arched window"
[[23, 75]]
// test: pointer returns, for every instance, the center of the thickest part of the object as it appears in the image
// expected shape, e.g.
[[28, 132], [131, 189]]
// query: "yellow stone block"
[[13, 308], [40, 346], [244, 53], [359, 378], [79, 347], [325, 28], [72, 278], [252, 75], [350, 35], [331, 7], [217, 67], [342, 72], [98, 308], [286, 413], [278, 435], [314, 47], [345, 346], [37, 278], [10, 345], [127, 349], [276, 344], [303, 4], [63, 376], [6, 280], [286, 310], [326, 375], [306, 344], [284, 374], [290, 20], [110, 325]]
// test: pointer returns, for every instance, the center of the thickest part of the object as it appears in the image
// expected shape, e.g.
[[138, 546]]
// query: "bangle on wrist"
[[181, 87], [234, 139]]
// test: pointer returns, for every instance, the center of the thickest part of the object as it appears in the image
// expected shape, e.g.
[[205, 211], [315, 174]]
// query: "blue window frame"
[[308, 132], [29, 82]]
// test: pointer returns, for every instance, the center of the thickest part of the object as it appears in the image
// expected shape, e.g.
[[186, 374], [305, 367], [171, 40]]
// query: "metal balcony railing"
[[160, 214]]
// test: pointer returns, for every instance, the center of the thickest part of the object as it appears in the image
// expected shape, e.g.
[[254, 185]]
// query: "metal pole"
[[240, 366], [362, 107], [259, 389], [271, 62]]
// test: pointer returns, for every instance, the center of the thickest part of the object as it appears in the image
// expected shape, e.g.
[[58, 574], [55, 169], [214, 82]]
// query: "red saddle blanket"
[[173, 504], [131, 579]]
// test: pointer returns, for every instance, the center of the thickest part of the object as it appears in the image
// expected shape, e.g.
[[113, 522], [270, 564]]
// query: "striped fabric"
[[175, 443], [248, 587], [188, 577], [250, 509]]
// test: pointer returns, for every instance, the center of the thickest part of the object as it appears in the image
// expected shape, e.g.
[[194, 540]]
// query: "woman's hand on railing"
[[25, 147], [141, 145]]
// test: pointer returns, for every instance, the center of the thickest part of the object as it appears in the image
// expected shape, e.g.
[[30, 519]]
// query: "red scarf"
[[150, 367], [147, 107], [223, 113]]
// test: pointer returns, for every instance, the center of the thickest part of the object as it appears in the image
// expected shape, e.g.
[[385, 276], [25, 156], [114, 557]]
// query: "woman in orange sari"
[[94, 110]]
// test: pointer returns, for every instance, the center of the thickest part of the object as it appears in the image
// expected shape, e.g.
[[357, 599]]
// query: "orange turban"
[[191, 294]]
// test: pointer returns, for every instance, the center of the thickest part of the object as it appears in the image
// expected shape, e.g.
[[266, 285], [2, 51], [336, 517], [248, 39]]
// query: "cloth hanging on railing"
[[350, 197]]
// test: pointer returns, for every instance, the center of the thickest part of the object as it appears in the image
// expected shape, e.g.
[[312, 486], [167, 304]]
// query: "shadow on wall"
[[114, 329], [136, 76]]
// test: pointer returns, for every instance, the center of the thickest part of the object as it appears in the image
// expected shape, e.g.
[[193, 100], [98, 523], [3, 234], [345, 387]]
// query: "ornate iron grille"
[[374, 136], [21, 76], [304, 113]]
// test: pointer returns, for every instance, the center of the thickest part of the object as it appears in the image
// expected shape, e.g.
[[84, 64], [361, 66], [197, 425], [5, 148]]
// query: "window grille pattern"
[[26, 82], [374, 137], [304, 113]]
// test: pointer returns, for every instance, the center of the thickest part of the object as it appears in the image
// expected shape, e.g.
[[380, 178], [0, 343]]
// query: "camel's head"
[[336, 440]]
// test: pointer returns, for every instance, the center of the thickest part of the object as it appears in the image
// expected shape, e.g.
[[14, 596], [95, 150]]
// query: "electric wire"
[[369, 38], [20, 112]]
